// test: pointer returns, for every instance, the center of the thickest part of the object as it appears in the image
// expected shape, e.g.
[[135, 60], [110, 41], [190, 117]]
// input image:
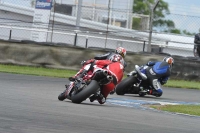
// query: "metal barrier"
[[87, 39]]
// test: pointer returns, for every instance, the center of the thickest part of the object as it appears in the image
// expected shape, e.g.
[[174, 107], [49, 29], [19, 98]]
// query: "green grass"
[[62, 73], [39, 71], [185, 109], [183, 84]]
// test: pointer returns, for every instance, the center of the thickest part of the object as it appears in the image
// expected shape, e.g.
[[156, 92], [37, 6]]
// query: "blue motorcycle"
[[137, 82]]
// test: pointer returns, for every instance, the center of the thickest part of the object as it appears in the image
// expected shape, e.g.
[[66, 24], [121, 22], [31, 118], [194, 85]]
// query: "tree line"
[[159, 19]]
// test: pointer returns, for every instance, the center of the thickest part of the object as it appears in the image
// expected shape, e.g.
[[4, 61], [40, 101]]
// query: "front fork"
[[68, 90]]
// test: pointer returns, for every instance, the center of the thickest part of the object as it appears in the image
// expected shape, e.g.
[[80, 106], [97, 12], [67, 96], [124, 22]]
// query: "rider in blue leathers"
[[158, 74]]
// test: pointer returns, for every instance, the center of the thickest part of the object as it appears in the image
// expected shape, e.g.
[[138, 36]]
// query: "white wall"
[[172, 48]]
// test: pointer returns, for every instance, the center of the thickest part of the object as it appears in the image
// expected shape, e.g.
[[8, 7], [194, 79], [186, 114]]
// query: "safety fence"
[[104, 24], [99, 40]]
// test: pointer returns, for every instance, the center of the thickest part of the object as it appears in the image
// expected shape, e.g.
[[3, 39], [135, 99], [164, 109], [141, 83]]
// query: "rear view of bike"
[[82, 88]]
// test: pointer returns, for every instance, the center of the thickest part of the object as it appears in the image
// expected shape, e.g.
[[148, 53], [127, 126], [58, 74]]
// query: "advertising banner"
[[41, 20], [43, 4]]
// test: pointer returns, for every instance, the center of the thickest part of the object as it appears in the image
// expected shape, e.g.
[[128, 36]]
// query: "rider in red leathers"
[[114, 63], [118, 55]]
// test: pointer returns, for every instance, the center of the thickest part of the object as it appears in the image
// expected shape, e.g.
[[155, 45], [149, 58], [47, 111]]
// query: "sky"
[[185, 13]]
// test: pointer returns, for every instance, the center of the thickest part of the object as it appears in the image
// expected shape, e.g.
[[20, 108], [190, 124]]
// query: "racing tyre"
[[86, 92], [62, 97], [125, 85]]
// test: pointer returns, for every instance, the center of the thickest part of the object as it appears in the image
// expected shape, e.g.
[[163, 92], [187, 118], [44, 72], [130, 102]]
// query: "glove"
[[83, 62]]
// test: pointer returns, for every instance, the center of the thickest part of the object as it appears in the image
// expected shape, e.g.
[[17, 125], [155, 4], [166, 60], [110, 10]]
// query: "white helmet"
[[121, 51], [169, 60]]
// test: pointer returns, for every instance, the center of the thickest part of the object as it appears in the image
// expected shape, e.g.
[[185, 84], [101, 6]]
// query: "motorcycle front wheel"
[[86, 92], [124, 85], [62, 96]]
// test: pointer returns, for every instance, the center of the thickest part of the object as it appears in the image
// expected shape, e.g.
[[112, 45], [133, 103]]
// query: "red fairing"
[[115, 68]]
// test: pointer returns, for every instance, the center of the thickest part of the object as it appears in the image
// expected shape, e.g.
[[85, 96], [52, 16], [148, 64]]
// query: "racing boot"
[[99, 97], [112, 92], [93, 98], [157, 93]]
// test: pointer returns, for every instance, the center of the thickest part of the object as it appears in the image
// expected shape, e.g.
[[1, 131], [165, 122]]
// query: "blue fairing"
[[160, 68], [143, 71]]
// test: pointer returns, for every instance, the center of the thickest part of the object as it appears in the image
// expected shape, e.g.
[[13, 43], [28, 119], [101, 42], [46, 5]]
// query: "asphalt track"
[[28, 104]]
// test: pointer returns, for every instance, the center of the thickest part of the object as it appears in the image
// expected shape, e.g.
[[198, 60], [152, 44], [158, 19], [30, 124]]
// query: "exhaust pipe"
[[110, 78], [100, 74], [105, 72]]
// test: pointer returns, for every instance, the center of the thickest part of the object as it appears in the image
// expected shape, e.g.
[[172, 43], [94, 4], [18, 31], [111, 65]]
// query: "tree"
[[175, 31], [142, 6], [188, 33], [159, 21], [136, 23]]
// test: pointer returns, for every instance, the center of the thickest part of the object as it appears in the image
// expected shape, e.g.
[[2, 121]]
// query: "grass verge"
[[38, 71], [63, 73], [183, 84], [185, 109]]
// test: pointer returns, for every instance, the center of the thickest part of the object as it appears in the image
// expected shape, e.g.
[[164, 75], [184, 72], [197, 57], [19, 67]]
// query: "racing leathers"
[[158, 74], [112, 56]]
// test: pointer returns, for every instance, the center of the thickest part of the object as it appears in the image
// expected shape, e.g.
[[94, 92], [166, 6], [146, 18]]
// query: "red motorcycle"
[[95, 78]]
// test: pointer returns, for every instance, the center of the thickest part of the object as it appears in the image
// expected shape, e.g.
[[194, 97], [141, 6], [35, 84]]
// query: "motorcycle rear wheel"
[[86, 92], [125, 85]]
